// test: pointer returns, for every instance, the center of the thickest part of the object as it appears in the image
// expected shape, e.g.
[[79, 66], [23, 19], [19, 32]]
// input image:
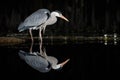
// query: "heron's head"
[[59, 14], [59, 66]]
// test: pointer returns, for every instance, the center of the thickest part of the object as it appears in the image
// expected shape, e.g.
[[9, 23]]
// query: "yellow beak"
[[64, 18], [63, 63]]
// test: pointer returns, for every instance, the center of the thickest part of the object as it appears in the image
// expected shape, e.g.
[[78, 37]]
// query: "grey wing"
[[36, 62], [37, 18]]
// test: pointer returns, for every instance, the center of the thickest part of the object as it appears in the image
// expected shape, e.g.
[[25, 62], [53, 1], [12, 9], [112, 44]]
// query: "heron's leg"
[[41, 52], [40, 43], [30, 31], [44, 53], [44, 29], [40, 35], [31, 47]]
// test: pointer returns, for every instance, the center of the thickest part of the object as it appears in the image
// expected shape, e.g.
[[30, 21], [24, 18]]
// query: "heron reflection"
[[40, 60]]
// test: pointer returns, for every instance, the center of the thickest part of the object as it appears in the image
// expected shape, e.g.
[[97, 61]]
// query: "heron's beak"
[[64, 18], [63, 63]]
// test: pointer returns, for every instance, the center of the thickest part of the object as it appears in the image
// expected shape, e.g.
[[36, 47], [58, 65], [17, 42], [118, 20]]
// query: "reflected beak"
[[64, 18], [63, 63]]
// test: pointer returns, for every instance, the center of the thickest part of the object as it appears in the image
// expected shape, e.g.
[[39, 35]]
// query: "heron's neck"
[[52, 19], [56, 66]]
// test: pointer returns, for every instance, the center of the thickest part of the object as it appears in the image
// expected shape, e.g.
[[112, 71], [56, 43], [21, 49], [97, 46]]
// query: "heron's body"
[[35, 61]]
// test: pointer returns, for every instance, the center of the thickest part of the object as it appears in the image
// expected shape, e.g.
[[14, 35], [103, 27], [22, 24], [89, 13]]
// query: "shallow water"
[[88, 61]]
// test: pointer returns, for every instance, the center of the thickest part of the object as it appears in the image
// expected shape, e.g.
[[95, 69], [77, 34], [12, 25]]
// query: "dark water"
[[88, 61]]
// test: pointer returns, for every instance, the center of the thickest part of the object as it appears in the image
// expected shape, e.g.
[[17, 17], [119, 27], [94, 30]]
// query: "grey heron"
[[40, 60], [42, 63], [39, 20]]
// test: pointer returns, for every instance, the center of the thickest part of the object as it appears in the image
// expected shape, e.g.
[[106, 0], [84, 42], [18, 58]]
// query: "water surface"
[[88, 61]]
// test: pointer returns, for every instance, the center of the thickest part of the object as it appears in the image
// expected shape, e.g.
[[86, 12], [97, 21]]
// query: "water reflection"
[[87, 61], [111, 39], [40, 60]]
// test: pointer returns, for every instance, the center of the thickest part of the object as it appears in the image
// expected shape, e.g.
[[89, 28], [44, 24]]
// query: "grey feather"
[[35, 19], [35, 61]]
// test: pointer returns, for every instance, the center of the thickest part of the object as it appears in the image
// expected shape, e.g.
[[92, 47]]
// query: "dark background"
[[87, 17]]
